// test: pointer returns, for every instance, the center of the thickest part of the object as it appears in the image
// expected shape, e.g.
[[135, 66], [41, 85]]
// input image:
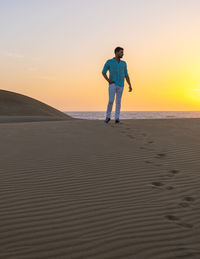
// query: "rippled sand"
[[85, 189]]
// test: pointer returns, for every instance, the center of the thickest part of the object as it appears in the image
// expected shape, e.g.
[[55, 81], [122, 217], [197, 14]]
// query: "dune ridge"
[[19, 107]]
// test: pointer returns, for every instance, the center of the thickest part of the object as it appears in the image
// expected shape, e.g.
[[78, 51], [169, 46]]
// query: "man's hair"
[[118, 49]]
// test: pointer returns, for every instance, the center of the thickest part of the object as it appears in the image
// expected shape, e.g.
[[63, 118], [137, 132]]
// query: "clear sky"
[[54, 51]]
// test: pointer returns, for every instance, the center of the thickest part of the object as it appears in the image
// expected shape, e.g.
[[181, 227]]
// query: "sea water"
[[100, 115]]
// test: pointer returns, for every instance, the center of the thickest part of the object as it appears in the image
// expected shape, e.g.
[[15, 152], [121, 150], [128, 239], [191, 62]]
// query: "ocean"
[[100, 115]]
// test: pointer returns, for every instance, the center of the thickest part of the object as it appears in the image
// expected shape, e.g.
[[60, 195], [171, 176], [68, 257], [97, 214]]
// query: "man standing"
[[118, 71]]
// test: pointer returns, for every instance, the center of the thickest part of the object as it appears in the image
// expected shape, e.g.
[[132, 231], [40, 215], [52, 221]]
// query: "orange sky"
[[54, 51]]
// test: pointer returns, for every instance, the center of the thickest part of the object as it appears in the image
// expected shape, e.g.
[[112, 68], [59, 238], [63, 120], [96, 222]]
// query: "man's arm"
[[127, 77], [128, 80], [107, 79], [104, 71]]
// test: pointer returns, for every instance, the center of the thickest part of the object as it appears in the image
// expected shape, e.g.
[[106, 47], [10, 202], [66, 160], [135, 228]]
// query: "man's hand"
[[107, 79], [111, 82], [129, 83]]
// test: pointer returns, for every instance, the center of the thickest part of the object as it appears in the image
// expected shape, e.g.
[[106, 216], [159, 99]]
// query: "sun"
[[197, 91], [194, 94]]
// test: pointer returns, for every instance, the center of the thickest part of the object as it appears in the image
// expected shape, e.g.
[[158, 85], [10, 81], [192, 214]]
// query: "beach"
[[71, 185], [80, 188]]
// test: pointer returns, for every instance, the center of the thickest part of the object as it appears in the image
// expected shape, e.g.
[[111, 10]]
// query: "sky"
[[54, 51]]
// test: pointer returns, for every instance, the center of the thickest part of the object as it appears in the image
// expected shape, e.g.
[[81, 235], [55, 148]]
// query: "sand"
[[18, 105], [84, 189]]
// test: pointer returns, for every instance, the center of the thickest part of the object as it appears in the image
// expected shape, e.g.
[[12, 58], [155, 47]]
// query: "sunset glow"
[[54, 51]]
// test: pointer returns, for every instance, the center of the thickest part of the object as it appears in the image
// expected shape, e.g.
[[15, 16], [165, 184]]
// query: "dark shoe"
[[107, 120], [118, 121]]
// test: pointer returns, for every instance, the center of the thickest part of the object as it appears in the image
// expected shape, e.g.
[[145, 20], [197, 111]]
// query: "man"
[[117, 72]]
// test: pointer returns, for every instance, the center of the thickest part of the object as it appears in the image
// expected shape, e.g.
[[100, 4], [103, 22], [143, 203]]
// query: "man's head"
[[119, 52]]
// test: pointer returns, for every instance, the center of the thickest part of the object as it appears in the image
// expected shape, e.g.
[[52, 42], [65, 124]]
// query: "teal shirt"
[[117, 71]]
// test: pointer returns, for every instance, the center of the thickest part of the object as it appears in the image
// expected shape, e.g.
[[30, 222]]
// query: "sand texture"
[[84, 189]]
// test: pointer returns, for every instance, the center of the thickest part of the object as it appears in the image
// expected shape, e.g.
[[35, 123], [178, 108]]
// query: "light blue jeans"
[[112, 90]]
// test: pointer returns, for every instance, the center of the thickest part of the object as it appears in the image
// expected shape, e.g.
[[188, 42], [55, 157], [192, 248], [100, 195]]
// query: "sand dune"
[[18, 107], [82, 189]]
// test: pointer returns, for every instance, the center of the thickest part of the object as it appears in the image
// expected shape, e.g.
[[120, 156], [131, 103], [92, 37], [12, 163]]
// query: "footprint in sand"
[[157, 184], [176, 220], [186, 201], [148, 162], [149, 142], [188, 198], [170, 187], [172, 217], [130, 136], [174, 171], [159, 155], [184, 204], [146, 148]]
